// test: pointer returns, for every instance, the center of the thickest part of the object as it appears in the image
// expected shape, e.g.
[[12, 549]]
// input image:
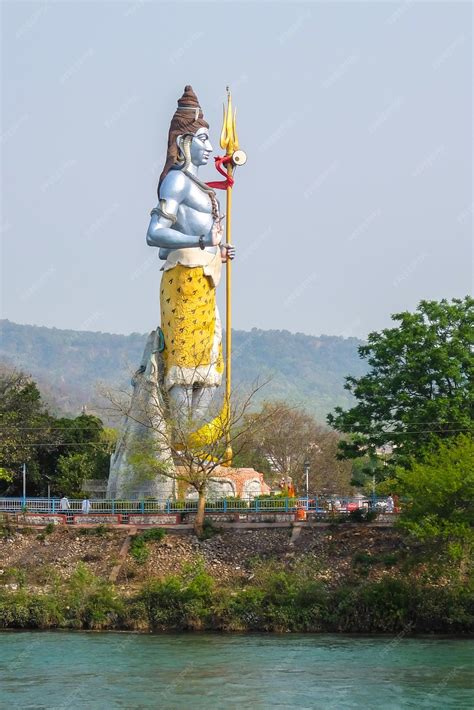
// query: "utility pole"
[[306, 472], [24, 484]]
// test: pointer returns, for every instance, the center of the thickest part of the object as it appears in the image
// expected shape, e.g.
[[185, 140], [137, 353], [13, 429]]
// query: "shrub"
[[182, 601], [15, 575], [20, 610], [390, 559], [277, 600], [27, 531], [91, 602], [393, 605], [139, 548], [438, 494], [278, 500], [248, 610], [156, 534], [233, 503], [363, 558], [6, 530], [100, 530], [208, 530]]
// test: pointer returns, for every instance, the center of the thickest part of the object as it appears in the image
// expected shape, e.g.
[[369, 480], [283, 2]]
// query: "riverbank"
[[351, 579]]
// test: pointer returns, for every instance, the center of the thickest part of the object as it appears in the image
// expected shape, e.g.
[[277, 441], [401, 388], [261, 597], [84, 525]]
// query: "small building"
[[245, 483]]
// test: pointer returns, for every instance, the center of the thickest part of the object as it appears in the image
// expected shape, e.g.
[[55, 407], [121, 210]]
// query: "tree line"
[[59, 452]]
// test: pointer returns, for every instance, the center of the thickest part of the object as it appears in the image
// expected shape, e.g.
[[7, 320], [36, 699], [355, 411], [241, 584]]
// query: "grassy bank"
[[351, 579], [275, 599]]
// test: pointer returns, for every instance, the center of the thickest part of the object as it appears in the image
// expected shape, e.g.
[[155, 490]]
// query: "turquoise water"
[[105, 670]]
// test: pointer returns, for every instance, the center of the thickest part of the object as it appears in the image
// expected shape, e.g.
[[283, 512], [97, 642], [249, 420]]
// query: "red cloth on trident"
[[229, 180]]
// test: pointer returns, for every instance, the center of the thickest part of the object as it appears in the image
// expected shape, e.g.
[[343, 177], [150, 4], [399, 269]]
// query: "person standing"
[[64, 505], [86, 505]]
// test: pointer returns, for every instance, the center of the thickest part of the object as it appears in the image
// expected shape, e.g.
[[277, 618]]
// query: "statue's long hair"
[[188, 118]]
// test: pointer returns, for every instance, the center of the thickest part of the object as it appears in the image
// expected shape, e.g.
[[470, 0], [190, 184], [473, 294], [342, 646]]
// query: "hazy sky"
[[356, 201]]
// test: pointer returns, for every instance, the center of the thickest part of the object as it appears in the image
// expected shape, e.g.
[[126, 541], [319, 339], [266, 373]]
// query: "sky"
[[356, 201]]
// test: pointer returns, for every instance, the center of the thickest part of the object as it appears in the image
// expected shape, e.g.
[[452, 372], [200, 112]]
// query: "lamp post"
[[48, 479], [306, 473], [24, 485]]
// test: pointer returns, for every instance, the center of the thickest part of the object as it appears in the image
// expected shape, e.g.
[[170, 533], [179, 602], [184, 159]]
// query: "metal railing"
[[318, 504]]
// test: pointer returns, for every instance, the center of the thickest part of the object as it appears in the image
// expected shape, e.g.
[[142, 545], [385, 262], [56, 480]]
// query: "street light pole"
[[306, 472], [24, 484], [48, 478]]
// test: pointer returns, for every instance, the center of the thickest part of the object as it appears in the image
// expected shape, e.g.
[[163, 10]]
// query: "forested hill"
[[69, 364]]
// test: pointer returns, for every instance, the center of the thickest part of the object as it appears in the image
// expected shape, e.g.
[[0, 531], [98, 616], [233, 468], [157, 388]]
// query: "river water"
[[106, 670]]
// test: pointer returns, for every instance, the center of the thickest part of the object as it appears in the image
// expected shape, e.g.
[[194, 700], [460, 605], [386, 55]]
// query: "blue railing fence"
[[319, 504]]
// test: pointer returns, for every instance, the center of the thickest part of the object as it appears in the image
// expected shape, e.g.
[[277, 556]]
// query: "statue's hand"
[[216, 233], [227, 252]]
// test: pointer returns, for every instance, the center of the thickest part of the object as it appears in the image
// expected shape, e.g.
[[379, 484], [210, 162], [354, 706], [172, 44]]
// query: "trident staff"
[[233, 157]]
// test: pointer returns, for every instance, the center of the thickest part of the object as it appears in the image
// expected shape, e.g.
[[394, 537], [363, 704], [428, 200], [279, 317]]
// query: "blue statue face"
[[201, 147]]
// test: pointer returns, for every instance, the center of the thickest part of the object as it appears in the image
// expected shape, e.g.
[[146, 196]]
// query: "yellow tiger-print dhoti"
[[191, 327]]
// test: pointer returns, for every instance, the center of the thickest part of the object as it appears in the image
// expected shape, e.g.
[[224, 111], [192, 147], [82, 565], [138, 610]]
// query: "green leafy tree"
[[23, 423], [368, 470], [420, 388], [439, 495], [84, 433], [29, 434], [71, 472], [80, 448]]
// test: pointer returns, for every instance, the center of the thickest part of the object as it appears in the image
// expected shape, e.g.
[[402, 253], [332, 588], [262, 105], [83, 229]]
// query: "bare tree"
[[327, 472], [289, 438], [166, 442]]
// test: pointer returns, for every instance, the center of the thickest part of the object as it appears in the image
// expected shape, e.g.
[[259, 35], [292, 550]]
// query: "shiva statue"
[[186, 227], [182, 366]]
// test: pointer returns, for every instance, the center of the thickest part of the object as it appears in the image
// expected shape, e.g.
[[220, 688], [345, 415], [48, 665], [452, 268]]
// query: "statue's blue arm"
[[160, 234]]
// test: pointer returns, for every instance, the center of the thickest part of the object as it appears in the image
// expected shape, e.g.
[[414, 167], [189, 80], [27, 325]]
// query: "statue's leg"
[[202, 399], [181, 402], [191, 402]]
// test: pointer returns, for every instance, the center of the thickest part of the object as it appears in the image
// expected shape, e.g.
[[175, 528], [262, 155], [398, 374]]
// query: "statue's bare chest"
[[197, 199], [195, 211]]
